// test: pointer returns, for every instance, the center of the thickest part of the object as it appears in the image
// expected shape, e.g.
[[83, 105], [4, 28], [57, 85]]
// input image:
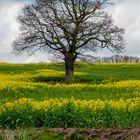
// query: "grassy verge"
[[69, 134]]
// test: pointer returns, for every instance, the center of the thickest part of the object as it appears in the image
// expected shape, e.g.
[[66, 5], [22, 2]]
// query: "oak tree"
[[68, 27]]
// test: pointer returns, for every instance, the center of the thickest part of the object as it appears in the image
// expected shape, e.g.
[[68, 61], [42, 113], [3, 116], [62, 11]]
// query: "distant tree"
[[67, 27]]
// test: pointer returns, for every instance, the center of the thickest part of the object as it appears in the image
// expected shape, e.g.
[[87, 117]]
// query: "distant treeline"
[[111, 59]]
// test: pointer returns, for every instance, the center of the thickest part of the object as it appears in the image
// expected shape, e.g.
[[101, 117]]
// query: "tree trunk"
[[69, 68], [69, 77]]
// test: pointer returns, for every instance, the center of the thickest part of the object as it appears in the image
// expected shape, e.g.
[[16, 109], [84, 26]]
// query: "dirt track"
[[101, 134], [85, 134]]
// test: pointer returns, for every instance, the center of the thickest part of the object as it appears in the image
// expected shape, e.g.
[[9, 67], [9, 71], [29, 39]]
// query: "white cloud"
[[39, 57], [126, 15], [8, 25]]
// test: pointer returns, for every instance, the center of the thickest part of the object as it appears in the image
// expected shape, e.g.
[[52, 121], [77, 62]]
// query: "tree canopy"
[[68, 27]]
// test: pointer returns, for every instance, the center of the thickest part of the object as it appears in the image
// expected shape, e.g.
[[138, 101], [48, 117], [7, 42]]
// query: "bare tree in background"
[[68, 27]]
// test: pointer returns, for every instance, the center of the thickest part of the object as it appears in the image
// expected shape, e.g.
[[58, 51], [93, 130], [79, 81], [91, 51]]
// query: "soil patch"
[[99, 134], [80, 134]]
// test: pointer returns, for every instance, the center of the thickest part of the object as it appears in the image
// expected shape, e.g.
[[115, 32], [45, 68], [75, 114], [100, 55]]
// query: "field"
[[103, 96]]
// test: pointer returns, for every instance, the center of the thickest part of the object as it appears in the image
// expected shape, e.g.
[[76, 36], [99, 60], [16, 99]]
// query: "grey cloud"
[[11, 58], [126, 15], [8, 25]]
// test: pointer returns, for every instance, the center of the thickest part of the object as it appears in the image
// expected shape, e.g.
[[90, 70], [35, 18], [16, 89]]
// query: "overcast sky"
[[126, 14]]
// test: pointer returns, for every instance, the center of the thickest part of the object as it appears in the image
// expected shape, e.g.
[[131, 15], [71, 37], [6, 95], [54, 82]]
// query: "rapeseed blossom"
[[108, 100], [24, 103]]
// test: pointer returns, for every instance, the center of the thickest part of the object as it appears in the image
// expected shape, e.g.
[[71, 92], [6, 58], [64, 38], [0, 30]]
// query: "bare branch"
[[69, 27]]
